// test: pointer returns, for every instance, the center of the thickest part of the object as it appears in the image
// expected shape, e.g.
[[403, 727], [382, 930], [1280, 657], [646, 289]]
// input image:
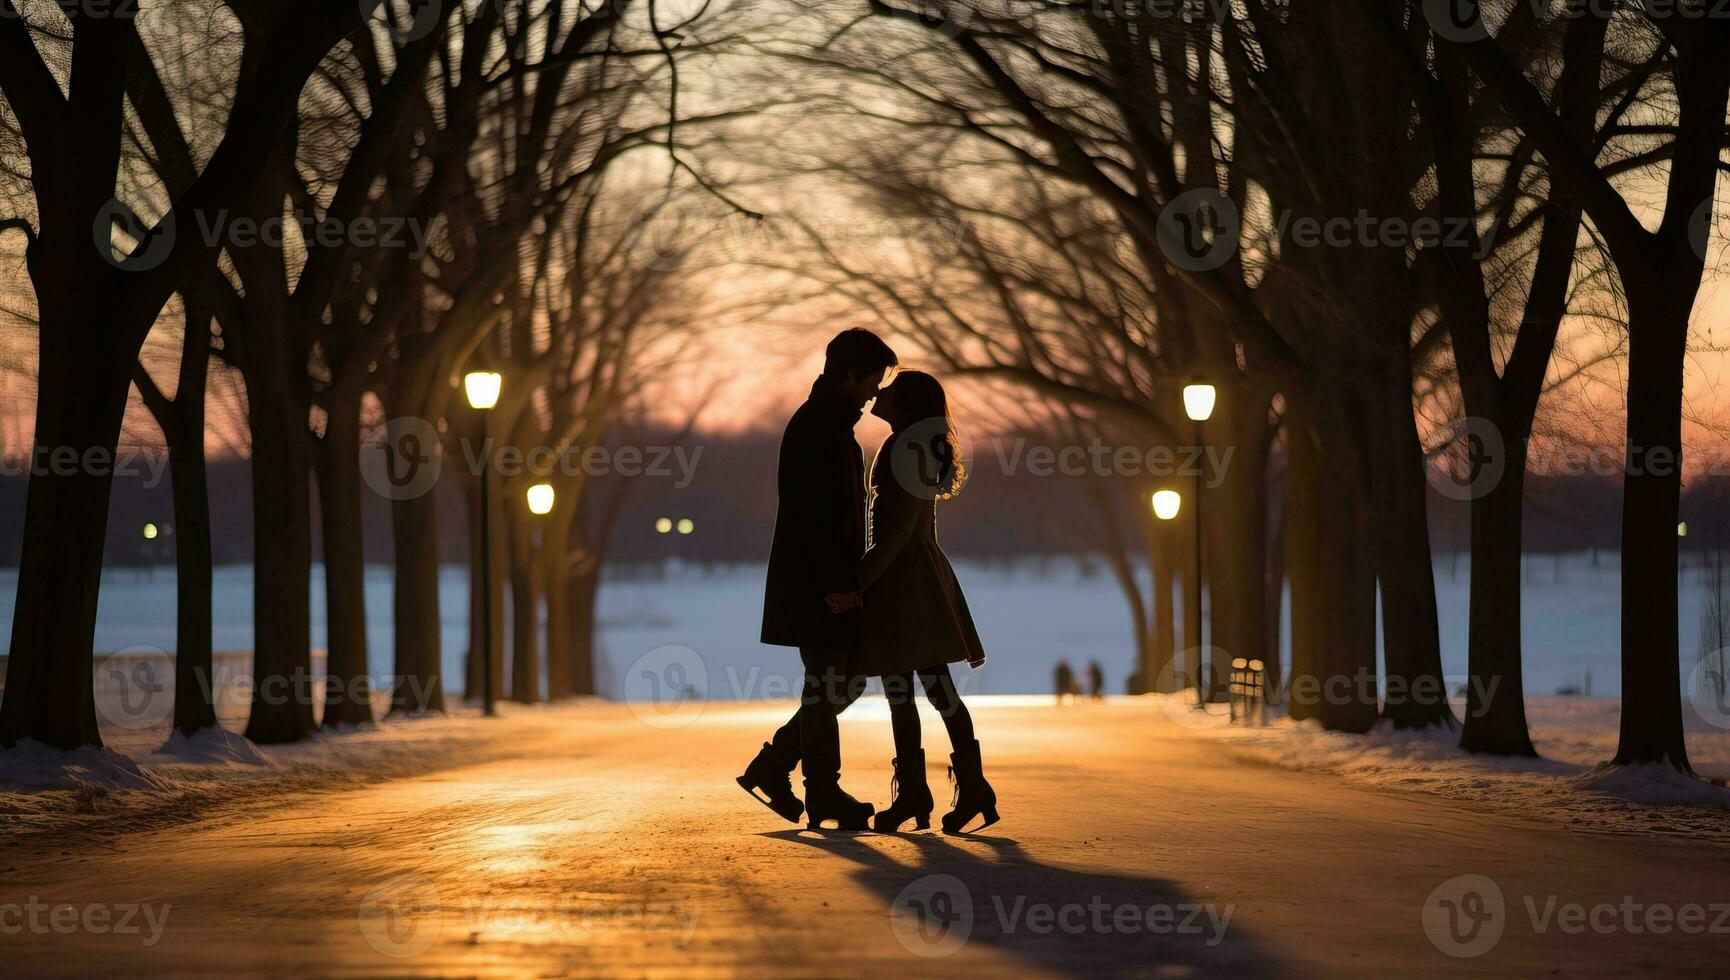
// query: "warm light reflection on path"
[[601, 846]]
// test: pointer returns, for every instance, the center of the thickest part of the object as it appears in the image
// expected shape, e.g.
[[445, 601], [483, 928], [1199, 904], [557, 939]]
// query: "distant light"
[[1682, 529], [540, 497], [1198, 401], [686, 526], [151, 531], [663, 525], [482, 389], [1166, 504]]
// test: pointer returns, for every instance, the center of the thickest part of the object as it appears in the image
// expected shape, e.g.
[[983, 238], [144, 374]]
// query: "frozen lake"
[[1029, 615]]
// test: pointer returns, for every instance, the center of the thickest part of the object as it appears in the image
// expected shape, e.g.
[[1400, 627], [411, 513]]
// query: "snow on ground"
[[31, 766], [1570, 783], [164, 779]]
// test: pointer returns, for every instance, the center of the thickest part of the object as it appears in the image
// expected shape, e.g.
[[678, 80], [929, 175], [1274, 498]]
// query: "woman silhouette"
[[915, 621]]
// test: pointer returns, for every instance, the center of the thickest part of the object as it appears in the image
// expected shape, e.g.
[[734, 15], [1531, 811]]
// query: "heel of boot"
[[922, 821], [956, 822]]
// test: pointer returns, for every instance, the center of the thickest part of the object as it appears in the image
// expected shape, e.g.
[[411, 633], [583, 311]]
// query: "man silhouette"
[[819, 539]]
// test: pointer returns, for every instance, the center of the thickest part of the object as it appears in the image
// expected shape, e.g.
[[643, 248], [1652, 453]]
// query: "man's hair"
[[858, 351]]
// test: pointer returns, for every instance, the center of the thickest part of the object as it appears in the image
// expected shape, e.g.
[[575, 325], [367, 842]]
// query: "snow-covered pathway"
[[598, 844]]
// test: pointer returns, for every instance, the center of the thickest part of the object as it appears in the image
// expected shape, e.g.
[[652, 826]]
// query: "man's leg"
[[769, 776], [829, 688], [823, 697], [786, 741]]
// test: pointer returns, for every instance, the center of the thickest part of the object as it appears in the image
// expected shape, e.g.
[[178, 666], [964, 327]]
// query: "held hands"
[[840, 602]]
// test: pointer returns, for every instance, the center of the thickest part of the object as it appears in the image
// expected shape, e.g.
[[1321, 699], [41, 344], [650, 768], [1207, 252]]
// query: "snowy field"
[[1028, 615]]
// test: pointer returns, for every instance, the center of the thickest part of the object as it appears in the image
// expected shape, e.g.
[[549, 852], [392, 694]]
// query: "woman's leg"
[[974, 797], [940, 690], [903, 713]]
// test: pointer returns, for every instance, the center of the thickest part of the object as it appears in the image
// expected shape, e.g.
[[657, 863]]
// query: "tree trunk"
[[1411, 644], [1303, 533], [1349, 691], [80, 401], [182, 423], [1651, 730], [1333, 677], [555, 585], [1275, 600], [347, 686], [1236, 515], [1495, 720], [417, 646], [194, 673], [1123, 570], [585, 583], [558, 581], [282, 695]]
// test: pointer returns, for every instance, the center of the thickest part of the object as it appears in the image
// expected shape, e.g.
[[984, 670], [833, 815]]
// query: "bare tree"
[[1660, 273], [96, 310]]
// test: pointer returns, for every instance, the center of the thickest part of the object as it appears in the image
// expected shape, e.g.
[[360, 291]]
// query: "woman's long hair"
[[922, 413]]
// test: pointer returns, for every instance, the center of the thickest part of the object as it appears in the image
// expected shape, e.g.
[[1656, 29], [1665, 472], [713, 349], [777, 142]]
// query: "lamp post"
[[540, 498], [1166, 506], [1198, 403], [482, 390]]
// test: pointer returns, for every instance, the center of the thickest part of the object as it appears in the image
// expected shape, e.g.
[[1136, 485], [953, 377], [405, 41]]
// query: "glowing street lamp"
[[1199, 399], [686, 525], [663, 525], [1166, 504], [540, 499], [481, 388], [1682, 529], [151, 531]]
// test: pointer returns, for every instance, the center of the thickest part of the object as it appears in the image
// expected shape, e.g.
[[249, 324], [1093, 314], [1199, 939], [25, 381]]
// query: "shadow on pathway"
[[1068, 921]]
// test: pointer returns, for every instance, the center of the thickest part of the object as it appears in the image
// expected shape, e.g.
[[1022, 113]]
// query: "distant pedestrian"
[[1064, 681], [1095, 681]]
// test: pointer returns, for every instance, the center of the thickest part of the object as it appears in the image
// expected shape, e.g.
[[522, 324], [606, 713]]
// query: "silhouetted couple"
[[894, 611]]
